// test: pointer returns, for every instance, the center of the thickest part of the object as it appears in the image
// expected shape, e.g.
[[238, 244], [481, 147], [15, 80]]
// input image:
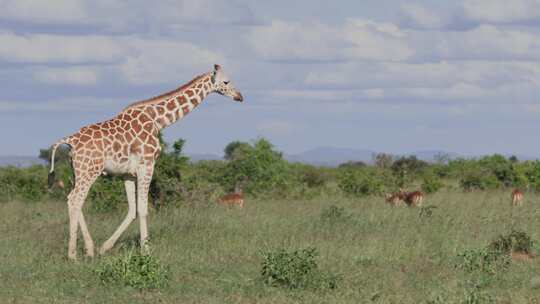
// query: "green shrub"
[[314, 177], [361, 182], [295, 269], [166, 182], [515, 241], [478, 179], [431, 184], [474, 294], [28, 184], [133, 269], [263, 170], [426, 211], [482, 260], [107, 194], [334, 214]]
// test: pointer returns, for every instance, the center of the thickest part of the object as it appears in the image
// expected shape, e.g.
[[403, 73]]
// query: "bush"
[[25, 184], [515, 241], [107, 194], [135, 270], [478, 179], [166, 182], [431, 184], [261, 168], [482, 260], [334, 214], [295, 269], [360, 182]]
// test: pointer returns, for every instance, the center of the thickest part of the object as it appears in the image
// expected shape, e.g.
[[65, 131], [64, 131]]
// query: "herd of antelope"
[[415, 198]]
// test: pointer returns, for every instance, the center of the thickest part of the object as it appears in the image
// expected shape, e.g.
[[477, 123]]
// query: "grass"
[[213, 255]]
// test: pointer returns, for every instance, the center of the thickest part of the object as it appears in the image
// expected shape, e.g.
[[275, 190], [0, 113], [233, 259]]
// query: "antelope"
[[394, 199], [517, 197], [231, 199], [413, 199]]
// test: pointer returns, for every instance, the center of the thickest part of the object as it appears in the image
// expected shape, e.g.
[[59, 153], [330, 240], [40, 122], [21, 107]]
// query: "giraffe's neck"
[[173, 106]]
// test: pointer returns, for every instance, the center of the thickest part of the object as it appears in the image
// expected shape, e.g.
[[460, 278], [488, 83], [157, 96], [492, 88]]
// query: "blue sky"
[[393, 76]]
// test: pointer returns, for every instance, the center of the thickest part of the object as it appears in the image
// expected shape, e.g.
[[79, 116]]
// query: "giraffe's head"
[[222, 84]]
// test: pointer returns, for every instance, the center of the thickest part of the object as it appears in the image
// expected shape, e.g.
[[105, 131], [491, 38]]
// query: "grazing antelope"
[[231, 199], [517, 197], [413, 199], [395, 199]]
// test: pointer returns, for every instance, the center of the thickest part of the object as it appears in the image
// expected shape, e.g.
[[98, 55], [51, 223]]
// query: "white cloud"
[[486, 42], [137, 60], [155, 61], [459, 81], [417, 16], [502, 11], [356, 39], [127, 15], [50, 11], [44, 48], [78, 104], [66, 76]]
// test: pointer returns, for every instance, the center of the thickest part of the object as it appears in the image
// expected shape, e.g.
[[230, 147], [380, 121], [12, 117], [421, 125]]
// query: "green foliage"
[[482, 260], [24, 184], [478, 179], [431, 184], [107, 194], [313, 177], [62, 155], [361, 182], [334, 214], [236, 149], [261, 168], [515, 241], [295, 269], [474, 294], [406, 168], [426, 211], [166, 183], [352, 164], [133, 269]]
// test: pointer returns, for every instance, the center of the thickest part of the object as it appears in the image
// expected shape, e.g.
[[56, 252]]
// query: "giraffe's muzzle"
[[239, 97]]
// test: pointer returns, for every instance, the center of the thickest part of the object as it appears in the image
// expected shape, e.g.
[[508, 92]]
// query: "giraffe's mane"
[[161, 96]]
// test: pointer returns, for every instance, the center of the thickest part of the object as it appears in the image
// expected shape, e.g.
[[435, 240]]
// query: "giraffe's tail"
[[51, 176]]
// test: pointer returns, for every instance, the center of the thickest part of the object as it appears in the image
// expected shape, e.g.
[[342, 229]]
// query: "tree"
[[236, 149], [383, 160], [62, 154], [261, 167]]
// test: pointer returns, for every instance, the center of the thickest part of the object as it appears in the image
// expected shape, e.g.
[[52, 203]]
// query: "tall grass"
[[213, 254]]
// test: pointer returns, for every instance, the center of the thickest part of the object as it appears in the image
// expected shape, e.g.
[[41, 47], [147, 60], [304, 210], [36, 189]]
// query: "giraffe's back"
[[118, 145]]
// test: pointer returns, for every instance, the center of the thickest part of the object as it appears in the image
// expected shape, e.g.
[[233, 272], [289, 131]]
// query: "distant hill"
[[330, 156], [321, 156], [20, 161]]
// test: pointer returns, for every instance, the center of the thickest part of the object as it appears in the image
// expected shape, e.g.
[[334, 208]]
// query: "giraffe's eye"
[[226, 82]]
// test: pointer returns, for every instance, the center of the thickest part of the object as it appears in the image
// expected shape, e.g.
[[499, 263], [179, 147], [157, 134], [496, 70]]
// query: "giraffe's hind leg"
[[75, 202], [88, 243]]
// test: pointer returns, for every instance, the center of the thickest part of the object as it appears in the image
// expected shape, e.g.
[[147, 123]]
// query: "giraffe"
[[128, 145]]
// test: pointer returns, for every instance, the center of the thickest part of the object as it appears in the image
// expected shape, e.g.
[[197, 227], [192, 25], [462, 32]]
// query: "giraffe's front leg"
[[144, 177]]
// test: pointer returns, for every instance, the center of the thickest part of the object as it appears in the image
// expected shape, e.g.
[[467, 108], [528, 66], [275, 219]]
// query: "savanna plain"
[[375, 253]]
